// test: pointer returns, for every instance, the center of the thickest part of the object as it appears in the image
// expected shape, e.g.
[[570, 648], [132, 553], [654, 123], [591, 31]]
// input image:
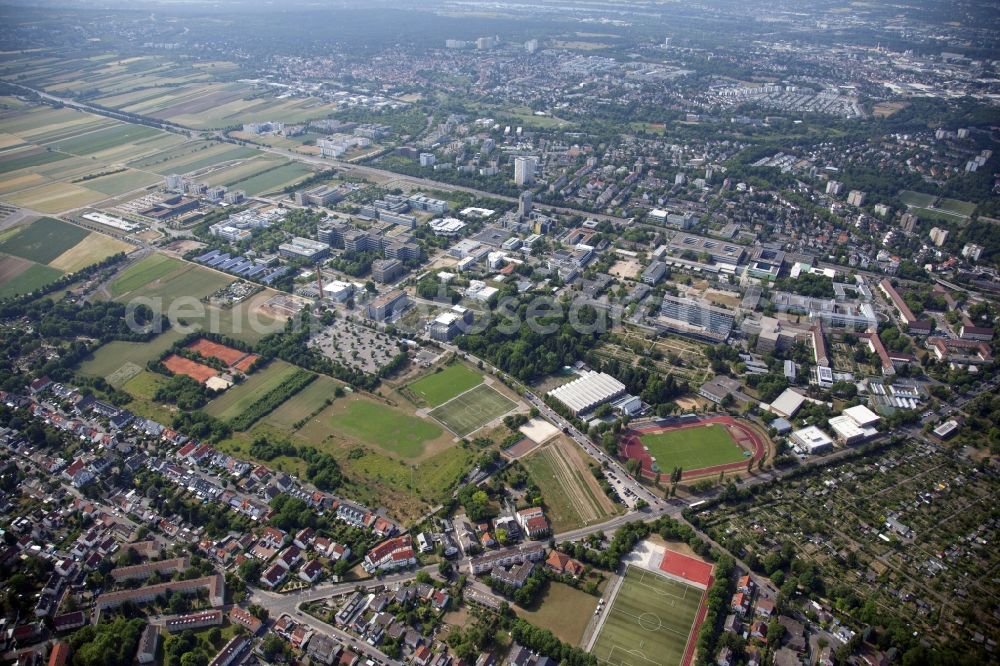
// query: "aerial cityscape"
[[491, 333]]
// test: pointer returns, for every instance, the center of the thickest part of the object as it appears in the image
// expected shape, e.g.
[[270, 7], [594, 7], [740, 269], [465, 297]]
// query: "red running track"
[[698, 621], [631, 447]]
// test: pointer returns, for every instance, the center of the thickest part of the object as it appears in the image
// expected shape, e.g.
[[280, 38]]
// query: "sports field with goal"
[[471, 410], [692, 448], [649, 621]]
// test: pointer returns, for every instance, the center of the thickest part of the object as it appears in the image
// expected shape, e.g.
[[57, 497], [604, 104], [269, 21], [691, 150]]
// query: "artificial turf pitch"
[[649, 621], [471, 410]]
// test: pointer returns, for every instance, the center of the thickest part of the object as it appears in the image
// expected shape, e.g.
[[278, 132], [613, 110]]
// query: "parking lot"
[[356, 346]]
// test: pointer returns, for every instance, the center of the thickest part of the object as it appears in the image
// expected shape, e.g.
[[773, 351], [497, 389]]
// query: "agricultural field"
[[563, 610], [43, 240], [470, 411], [151, 268], [438, 388], [570, 492], [692, 448], [237, 399], [63, 160], [33, 255], [259, 175], [649, 621], [28, 280]]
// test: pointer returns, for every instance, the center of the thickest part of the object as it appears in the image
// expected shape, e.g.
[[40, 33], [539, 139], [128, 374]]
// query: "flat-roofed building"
[[304, 248], [721, 252], [386, 270], [765, 263], [323, 195], [695, 319], [588, 392], [848, 431], [148, 643], [386, 305], [811, 440]]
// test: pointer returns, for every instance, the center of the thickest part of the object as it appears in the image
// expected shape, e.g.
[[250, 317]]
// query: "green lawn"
[[919, 199], [34, 277], [564, 610], [142, 273], [387, 428], [473, 409], [692, 448], [237, 399], [649, 621], [438, 388], [43, 240], [110, 357]]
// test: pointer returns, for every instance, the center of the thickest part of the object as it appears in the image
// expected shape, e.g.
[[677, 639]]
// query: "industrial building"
[[588, 392]]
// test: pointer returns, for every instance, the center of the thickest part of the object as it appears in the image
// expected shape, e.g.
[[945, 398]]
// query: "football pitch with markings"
[[649, 621], [471, 410]]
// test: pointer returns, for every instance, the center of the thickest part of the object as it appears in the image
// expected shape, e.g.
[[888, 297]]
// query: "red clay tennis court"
[[184, 366], [234, 358]]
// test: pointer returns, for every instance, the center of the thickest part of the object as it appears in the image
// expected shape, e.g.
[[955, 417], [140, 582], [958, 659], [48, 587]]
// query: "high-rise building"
[[856, 198], [531, 45], [427, 159], [524, 169], [938, 236], [524, 204], [971, 251], [834, 187]]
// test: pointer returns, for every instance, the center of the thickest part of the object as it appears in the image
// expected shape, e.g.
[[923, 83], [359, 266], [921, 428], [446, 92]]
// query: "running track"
[[698, 621], [631, 447]]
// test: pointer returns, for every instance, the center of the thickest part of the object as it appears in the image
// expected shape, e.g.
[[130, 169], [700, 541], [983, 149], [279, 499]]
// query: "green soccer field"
[[649, 621], [438, 388], [692, 448], [472, 410]]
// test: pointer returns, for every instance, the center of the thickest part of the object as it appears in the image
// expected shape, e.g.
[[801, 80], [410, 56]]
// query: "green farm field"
[[153, 267], [473, 409], [43, 240], [438, 388], [649, 621], [35, 276], [692, 448], [101, 140], [237, 399]]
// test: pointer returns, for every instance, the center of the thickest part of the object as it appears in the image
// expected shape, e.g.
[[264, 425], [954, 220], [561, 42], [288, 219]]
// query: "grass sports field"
[[438, 388], [389, 429], [692, 448], [649, 621], [470, 411]]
